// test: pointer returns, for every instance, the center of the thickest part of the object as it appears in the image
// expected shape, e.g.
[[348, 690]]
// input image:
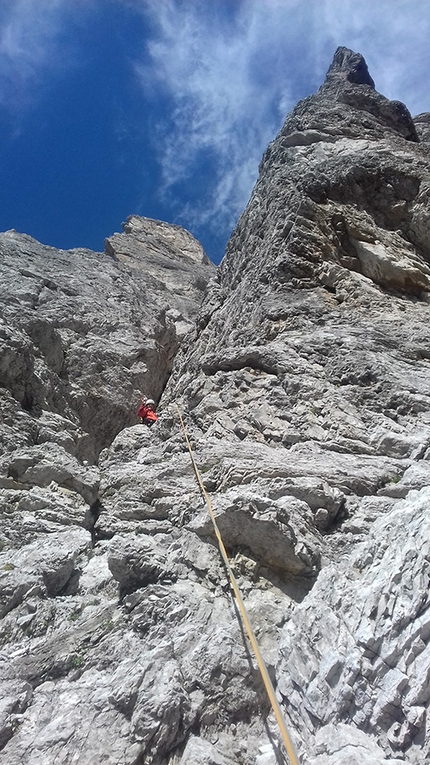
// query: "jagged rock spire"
[[350, 66]]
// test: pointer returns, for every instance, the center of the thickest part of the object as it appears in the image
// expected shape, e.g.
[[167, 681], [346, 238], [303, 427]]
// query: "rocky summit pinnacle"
[[349, 66], [301, 369]]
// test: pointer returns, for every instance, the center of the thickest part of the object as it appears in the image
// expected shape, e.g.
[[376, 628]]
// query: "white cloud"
[[230, 69], [32, 45], [233, 70], [225, 99]]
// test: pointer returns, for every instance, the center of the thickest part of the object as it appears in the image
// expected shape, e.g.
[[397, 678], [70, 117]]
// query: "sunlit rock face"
[[312, 355], [83, 334], [303, 381], [422, 126]]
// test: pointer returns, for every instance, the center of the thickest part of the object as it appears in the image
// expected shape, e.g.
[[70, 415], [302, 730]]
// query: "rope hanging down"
[[288, 743]]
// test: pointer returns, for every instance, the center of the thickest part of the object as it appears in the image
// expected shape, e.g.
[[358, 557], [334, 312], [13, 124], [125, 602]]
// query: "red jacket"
[[146, 413]]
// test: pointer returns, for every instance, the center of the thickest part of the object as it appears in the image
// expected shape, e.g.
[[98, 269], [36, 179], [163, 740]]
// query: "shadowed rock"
[[350, 66]]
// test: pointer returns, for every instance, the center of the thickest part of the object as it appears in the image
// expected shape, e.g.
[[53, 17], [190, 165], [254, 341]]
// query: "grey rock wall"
[[312, 353], [84, 334], [304, 384]]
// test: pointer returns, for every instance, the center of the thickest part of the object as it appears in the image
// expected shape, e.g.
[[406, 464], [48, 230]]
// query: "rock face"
[[83, 333], [312, 352], [305, 389]]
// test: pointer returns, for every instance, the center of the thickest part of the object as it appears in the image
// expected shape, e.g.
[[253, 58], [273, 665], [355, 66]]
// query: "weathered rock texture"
[[305, 388], [311, 361], [83, 333]]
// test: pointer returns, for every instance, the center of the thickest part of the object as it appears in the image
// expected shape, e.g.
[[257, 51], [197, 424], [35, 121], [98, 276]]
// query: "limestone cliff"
[[84, 333], [304, 385]]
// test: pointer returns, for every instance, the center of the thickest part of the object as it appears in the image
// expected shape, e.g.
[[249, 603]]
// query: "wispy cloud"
[[233, 69], [218, 76], [222, 72], [33, 46]]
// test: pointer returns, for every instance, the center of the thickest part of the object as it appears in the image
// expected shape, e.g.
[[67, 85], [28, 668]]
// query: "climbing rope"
[[288, 743]]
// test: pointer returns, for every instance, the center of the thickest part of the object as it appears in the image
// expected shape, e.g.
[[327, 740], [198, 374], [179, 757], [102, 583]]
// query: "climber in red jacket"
[[146, 412]]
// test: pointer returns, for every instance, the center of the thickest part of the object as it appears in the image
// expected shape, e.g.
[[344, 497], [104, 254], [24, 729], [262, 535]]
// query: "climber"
[[146, 412]]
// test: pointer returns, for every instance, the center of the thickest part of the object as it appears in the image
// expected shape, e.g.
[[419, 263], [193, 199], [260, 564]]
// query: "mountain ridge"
[[302, 374]]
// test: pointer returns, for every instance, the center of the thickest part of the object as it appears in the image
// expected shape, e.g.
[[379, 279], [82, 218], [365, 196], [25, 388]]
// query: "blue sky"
[[163, 108]]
